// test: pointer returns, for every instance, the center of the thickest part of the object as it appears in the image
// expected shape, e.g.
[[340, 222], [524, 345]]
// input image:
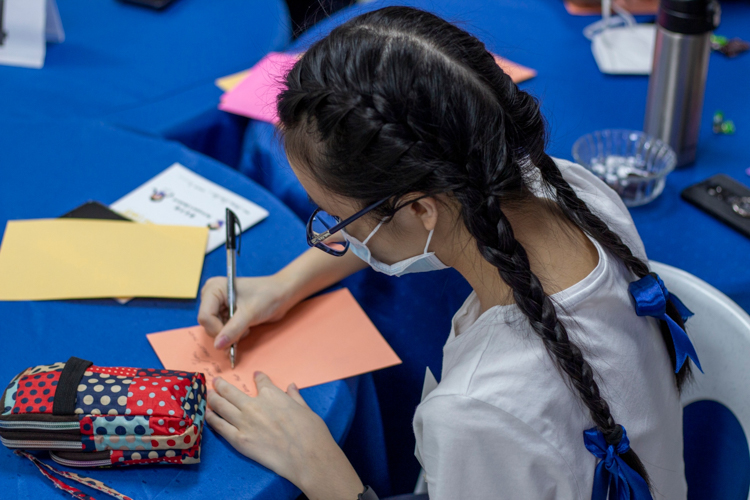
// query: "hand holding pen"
[[265, 299]]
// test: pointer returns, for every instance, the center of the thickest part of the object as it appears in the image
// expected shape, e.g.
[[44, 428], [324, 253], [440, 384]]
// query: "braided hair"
[[399, 100]]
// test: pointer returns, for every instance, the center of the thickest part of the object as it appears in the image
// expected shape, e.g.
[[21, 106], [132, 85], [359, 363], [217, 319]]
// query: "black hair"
[[397, 101]]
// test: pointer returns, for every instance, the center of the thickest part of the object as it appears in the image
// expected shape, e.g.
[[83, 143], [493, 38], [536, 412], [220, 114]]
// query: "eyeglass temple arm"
[[341, 225]]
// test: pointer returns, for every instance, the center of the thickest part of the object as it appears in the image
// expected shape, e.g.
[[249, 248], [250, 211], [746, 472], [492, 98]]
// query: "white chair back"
[[720, 331]]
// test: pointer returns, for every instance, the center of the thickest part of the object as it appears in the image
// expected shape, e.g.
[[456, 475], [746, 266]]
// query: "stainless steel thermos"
[[678, 76]]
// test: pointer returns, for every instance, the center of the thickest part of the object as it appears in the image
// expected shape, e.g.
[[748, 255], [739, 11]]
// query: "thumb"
[[233, 330], [295, 395]]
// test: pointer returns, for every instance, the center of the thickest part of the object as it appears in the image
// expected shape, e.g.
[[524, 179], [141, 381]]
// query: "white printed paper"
[[179, 196]]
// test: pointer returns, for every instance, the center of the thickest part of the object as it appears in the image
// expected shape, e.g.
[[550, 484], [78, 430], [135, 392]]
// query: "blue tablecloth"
[[152, 71], [414, 312], [48, 168]]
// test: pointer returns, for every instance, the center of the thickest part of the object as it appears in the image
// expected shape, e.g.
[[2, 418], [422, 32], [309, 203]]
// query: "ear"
[[426, 209]]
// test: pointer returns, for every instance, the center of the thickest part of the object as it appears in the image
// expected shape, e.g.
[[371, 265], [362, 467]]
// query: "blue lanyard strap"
[[651, 296], [612, 473]]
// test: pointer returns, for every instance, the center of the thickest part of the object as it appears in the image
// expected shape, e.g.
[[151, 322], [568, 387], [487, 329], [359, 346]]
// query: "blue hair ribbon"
[[651, 296], [612, 473]]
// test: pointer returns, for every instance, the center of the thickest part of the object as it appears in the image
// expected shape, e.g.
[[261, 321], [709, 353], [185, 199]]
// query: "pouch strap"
[[91, 483], [67, 386]]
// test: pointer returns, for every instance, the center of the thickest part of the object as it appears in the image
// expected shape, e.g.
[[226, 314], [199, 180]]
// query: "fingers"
[[230, 393], [213, 299], [263, 381], [221, 426], [223, 407], [296, 396], [234, 329]]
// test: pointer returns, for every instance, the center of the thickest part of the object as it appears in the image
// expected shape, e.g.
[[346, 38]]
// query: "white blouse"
[[503, 424]]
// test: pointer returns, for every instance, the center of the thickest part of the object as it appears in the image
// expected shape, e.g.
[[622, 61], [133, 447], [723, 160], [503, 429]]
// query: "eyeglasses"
[[323, 229]]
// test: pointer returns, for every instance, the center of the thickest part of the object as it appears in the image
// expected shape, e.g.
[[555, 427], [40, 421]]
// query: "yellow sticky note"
[[48, 259], [229, 82]]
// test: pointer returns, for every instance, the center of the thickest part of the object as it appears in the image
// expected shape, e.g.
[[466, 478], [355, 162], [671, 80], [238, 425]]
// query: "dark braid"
[[530, 135], [499, 247], [576, 210], [399, 101]]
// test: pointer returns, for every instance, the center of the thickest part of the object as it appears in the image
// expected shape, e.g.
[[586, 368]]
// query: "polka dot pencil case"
[[94, 416]]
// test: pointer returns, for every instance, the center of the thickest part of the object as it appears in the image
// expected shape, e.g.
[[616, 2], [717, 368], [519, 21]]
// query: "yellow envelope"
[[48, 259]]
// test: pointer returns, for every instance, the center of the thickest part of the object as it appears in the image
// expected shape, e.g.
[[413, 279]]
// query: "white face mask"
[[417, 264], [620, 46]]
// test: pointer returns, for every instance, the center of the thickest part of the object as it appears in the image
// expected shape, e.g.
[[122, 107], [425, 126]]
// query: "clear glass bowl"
[[630, 162]]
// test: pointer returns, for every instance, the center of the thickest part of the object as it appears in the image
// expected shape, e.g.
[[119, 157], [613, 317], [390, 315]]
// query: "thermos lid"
[[689, 17]]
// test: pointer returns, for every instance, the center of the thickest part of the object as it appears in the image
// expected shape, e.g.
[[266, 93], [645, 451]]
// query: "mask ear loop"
[[374, 231], [429, 237], [607, 21]]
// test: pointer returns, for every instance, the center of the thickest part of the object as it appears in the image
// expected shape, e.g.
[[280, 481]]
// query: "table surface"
[[576, 99], [79, 161], [149, 70]]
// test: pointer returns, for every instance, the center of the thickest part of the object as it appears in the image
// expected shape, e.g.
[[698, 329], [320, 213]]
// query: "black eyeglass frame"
[[317, 240]]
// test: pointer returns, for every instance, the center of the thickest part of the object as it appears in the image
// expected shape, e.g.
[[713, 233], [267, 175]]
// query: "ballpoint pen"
[[232, 249]]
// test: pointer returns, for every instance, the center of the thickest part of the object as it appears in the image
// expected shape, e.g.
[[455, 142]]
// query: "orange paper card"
[[322, 339], [516, 72], [636, 7]]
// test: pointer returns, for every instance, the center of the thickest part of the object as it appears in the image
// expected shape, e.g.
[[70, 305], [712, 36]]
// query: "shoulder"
[[604, 202]]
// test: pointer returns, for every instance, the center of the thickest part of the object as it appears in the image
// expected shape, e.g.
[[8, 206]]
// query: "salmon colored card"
[[322, 339], [516, 72], [636, 7]]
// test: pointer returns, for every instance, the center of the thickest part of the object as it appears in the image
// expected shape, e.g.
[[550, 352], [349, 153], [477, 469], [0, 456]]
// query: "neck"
[[559, 254]]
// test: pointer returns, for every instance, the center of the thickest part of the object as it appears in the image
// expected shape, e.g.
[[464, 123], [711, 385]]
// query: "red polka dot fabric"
[[36, 393], [158, 394], [139, 416], [116, 370]]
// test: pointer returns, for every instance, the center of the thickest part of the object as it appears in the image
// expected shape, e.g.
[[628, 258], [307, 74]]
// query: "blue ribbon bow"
[[651, 298], [612, 473]]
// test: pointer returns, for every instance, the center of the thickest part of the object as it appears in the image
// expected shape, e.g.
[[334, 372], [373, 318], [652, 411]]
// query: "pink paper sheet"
[[322, 339], [255, 96]]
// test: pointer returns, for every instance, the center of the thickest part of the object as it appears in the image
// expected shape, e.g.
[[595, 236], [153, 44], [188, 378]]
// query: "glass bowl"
[[630, 162]]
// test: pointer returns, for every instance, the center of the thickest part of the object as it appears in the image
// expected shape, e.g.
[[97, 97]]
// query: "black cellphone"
[[724, 198], [154, 4]]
